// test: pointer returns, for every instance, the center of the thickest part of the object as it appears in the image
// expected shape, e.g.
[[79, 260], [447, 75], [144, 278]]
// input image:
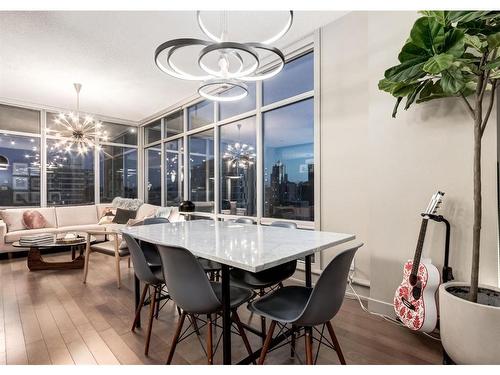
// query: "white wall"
[[378, 173]]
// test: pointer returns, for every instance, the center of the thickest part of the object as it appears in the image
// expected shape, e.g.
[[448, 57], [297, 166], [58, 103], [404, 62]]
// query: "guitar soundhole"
[[413, 279], [417, 290]]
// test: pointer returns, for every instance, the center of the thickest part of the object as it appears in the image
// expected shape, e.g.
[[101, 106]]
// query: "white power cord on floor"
[[385, 317]]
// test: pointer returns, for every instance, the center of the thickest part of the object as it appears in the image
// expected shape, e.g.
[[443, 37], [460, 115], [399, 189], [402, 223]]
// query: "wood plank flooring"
[[50, 317]]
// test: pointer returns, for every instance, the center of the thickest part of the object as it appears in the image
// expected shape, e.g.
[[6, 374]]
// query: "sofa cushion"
[[32, 219], [14, 236], [76, 215], [13, 217], [123, 216], [146, 210]]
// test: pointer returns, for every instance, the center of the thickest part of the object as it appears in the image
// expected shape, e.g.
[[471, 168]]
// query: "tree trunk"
[[476, 229]]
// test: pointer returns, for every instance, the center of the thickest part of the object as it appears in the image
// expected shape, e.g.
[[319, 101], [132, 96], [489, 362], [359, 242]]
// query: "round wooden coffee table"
[[37, 263]]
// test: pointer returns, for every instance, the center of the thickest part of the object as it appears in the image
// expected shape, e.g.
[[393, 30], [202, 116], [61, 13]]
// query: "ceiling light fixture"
[[223, 66], [77, 131]]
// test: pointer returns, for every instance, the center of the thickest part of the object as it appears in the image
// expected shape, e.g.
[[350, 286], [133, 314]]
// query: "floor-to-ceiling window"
[[253, 157], [153, 175], [20, 157], [33, 162], [201, 170]]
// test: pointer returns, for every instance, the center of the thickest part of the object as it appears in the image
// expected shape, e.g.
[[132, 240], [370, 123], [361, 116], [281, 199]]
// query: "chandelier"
[[239, 154], [222, 65], [77, 131]]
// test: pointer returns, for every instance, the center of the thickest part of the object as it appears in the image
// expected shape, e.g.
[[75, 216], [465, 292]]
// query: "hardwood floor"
[[50, 317]]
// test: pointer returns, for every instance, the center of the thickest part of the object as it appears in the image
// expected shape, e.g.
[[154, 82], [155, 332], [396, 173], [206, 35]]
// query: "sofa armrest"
[[3, 232]]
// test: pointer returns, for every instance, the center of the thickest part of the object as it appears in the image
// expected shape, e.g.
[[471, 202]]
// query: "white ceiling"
[[111, 54]]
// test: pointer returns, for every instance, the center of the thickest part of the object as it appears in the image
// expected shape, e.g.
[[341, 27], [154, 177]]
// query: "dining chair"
[[260, 281], [111, 246], [192, 291], [308, 307], [153, 282], [244, 220], [149, 249]]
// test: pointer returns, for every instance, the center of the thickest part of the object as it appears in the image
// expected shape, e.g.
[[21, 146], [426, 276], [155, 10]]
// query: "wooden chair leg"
[[158, 302], [118, 276], [243, 335], [128, 262], [175, 339], [308, 338], [139, 307], [152, 306], [335, 343], [267, 342], [86, 266], [210, 355]]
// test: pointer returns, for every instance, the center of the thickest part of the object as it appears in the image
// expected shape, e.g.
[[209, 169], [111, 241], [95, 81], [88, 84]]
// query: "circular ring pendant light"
[[270, 40], [223, 90], [226, 64]]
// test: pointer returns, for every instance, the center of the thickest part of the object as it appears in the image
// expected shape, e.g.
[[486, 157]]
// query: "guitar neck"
[[420, 245]]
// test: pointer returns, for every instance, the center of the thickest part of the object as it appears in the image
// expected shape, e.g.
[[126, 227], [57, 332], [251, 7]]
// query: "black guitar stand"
[[447, 270]]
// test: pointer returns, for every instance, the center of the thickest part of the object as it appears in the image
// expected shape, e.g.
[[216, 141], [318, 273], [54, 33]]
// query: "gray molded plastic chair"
[[149, 249], [267, 278], [308, 307], [152, 279], [244, 220], [191, 290]]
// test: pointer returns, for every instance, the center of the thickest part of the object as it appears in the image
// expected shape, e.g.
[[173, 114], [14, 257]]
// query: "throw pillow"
[[122, 216], [107, 216], [32, 219], [13, 219]]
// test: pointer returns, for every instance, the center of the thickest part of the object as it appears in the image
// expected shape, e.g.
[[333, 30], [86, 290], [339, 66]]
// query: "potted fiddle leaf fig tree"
[[456, 54]]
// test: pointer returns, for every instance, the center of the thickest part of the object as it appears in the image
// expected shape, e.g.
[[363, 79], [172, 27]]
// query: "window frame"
[[309, 46]]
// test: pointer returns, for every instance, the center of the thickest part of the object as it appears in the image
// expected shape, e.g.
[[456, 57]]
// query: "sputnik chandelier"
[[222, 65], [239, 154], [76, 131]]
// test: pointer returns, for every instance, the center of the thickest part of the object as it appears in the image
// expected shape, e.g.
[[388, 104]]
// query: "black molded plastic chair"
[[149, 249], [308, 307], [152, 279], [244, 220], [191, 290], [263, 280]]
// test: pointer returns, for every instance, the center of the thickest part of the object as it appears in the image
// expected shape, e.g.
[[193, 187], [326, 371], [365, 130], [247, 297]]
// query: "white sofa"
[[64, 219]]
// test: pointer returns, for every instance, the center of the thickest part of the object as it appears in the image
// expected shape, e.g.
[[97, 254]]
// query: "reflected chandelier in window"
[[239, 154]]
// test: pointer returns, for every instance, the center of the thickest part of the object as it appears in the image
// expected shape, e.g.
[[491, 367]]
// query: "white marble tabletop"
[[250, 247]]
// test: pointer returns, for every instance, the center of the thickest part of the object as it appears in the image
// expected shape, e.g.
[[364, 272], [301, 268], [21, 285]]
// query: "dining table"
[[248, 247]]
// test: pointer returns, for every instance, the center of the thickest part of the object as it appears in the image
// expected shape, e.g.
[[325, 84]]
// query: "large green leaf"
[[411, 51], [464, 16], [432, 91], [474, 41], [397, 89], [495, 74], [493, 64], [455, 42], [439, 15], [395, 109], [428, 34], [452, 81], [493, 40], [411, 98], [437, 63], [409, 70]]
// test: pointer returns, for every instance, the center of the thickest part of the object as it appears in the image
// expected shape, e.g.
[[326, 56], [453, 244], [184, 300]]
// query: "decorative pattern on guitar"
[[413, 319]]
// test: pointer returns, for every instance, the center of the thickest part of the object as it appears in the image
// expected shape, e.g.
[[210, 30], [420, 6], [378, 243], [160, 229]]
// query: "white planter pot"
[[470, 332]]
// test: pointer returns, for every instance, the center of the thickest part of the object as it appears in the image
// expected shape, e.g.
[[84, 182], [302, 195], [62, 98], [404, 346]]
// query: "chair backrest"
[[329, 291], [284, 224], [187, 282], [244, 220], [141, 267], [155, 220]]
